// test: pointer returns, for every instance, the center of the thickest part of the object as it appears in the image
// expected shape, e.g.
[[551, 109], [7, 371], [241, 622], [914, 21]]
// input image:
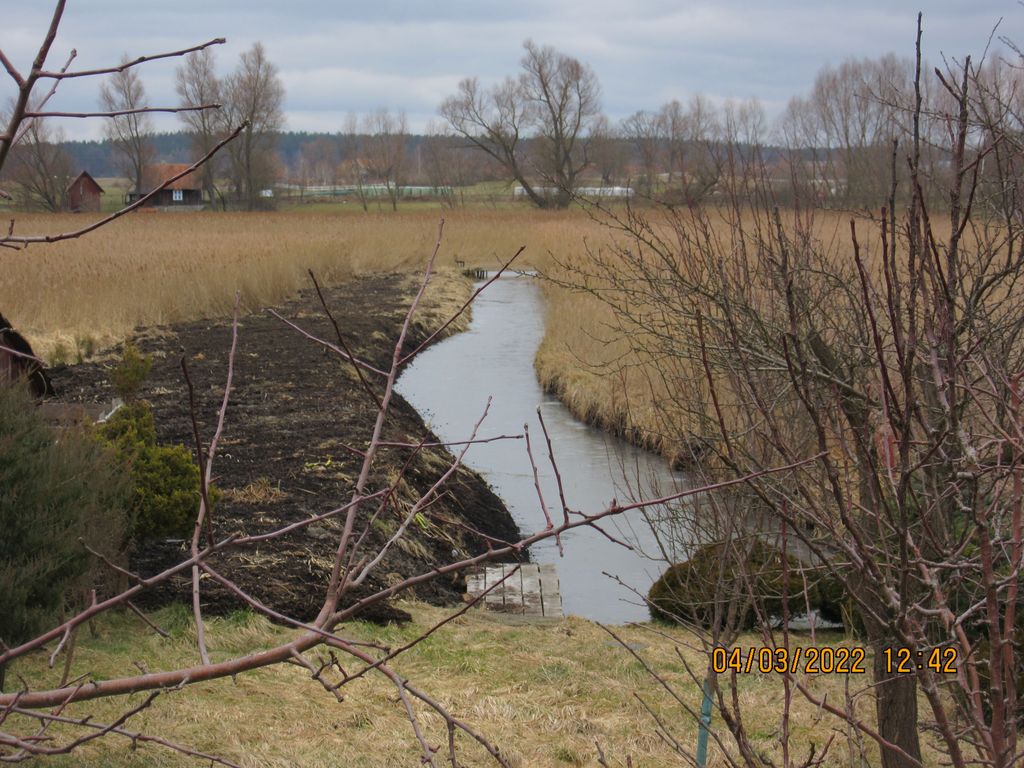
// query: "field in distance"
[[155, 268]]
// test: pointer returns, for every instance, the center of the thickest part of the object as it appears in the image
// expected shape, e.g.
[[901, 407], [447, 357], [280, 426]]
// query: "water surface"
[[450, 383]]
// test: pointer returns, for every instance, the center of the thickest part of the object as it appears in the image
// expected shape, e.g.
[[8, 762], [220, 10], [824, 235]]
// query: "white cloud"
[[340, 57]]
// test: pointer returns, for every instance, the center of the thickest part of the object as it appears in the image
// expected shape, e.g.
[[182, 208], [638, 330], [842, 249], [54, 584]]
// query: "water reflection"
[[450, 383]]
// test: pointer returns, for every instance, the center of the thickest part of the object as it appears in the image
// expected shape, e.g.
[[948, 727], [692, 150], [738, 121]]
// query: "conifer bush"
[[165, 478], [60, 491]]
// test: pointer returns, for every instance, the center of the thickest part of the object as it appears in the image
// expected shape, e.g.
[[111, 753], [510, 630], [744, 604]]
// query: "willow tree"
[[537, 126], [254, 97]]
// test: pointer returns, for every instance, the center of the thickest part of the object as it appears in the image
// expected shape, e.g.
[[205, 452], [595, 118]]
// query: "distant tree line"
[[542, 130]]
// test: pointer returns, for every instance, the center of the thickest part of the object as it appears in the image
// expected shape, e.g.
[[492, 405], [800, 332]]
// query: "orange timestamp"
[[810, 660], [904, 661]]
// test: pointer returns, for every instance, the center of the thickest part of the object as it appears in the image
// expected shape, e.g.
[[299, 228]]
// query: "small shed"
[[182, 193], [84, 193]]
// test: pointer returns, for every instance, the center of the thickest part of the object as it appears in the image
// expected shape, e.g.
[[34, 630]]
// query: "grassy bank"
[[589, 356], [545, 694]]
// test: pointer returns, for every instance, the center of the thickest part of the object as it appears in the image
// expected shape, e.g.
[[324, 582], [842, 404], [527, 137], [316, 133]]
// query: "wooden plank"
[[532, 590], [495, 599], [512, 589], [475, 584], [532, 603]]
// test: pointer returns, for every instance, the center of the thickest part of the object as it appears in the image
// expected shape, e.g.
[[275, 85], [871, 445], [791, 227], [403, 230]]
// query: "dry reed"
[[155, 268], [588, 361]]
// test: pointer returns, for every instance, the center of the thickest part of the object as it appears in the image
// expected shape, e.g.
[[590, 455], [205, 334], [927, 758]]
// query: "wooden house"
[[83, 194], [186, 192]]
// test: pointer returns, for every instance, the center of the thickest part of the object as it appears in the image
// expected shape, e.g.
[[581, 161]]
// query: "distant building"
[[83, 194], [186, 192]]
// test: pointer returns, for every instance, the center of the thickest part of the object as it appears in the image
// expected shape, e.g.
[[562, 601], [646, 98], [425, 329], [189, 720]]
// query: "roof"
[[86, 175], [158, 173]]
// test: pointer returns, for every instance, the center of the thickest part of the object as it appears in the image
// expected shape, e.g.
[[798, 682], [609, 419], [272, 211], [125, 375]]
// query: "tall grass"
[[155, 268], [589, 353]]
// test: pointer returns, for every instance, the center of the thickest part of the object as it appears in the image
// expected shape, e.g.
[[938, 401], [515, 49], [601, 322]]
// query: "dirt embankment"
[[283, 455]]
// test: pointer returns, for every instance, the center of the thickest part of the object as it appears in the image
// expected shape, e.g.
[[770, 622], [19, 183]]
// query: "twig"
[[341, 341], [133, 63], [426, 342]]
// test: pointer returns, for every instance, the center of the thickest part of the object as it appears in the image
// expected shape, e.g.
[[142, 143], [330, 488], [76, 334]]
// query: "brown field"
[[587, 361], [154, 268]]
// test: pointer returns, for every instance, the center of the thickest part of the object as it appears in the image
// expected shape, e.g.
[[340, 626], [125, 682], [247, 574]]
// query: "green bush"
[[165, 496], [128, 375], [687, 592], [56, 489]]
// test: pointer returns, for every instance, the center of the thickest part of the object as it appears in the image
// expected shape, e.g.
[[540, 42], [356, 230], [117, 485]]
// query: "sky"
[[337, 57]]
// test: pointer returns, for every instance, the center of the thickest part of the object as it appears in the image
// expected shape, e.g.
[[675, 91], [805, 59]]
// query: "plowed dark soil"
[[283, 457]]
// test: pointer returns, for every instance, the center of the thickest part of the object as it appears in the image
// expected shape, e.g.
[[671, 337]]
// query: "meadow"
[[548, 695]]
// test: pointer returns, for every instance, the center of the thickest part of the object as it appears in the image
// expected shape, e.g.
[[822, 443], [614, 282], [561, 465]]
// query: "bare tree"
[[536, 126], [679, 145], [645, 131], [607, 150], [130, 128], [844, 129], [449, 165], [41, 168], [896, 365], [321, 157], [253, 96], [352, 148], [565, 96], [197, 84], [693, 135], [385, 151], [19, 120]]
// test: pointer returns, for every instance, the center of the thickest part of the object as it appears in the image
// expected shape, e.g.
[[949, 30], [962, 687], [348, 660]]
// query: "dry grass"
[[152, 268], [587, 360], [262, 490], [544, 693]]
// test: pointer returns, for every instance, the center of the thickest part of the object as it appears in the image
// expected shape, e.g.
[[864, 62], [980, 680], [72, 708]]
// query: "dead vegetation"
[[547, 694], [76, 297]]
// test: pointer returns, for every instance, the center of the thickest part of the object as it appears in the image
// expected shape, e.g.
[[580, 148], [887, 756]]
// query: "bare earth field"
[[283, 456]]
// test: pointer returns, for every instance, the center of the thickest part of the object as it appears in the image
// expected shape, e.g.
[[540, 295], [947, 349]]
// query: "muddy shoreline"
[[296, 413]]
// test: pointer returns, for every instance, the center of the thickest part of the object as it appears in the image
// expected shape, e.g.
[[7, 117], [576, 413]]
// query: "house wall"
[[83, 197]]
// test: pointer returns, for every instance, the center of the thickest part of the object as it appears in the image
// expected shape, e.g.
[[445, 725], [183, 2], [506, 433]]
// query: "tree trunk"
[[895, 698], [895, 695], [896, 708]]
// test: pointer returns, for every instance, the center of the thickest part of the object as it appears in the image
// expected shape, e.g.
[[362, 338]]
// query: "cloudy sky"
[[337, 57]]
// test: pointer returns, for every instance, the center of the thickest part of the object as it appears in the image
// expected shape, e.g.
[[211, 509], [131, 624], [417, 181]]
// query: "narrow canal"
[[450, 383]]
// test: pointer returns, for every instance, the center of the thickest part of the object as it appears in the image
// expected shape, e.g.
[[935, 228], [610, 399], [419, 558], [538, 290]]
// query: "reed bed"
[[588, 356], [157, 268]]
